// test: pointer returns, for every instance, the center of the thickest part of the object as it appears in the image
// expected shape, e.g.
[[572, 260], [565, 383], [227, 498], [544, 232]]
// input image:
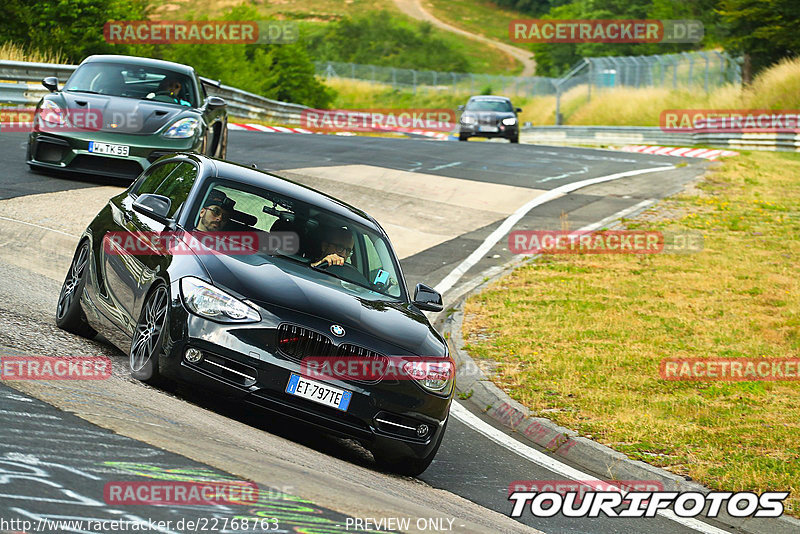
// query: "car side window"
[[202, 88], [153, 177], [177, 185]]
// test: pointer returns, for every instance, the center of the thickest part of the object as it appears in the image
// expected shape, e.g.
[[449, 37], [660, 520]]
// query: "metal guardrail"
[[651, 135], [26, 88]]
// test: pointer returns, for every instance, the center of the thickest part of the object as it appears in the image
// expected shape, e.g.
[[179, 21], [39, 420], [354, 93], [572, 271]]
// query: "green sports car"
[[118, 114]]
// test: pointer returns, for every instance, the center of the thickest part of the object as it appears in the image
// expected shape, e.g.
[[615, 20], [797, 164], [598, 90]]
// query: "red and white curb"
[[252, 127], [261, 128], [684, 152]]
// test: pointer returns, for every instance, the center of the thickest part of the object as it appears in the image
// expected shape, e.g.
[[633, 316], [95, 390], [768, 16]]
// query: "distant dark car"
[[245, 324], [115, 115], [489, 116]]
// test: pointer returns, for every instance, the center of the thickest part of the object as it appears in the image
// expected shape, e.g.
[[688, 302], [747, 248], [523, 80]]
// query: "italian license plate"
[[105, 148], [319, 392], [488, 128]]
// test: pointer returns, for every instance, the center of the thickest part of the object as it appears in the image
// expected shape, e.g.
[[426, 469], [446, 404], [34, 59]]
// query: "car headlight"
[[182, 128], [52, 114], [205, 300], [468, 119], [510, 121], [434, 375]]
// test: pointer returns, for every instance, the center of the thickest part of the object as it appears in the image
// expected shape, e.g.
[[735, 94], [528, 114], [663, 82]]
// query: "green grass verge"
[[579, 339], [477, 16]]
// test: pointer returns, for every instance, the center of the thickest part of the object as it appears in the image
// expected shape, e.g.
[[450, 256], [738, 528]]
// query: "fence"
[[686, 70], [443, 81]]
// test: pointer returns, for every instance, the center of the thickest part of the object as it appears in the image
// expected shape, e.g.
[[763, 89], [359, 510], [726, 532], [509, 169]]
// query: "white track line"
[[455, 275], [551, 464], [39, 226]]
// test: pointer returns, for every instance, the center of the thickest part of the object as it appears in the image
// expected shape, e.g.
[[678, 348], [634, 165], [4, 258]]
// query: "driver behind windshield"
[[171, 86], [216, 212], [336, 245]]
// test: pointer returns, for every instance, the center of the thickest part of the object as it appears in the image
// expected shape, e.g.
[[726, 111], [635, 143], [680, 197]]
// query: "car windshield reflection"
[[325, 245], [133, 81]]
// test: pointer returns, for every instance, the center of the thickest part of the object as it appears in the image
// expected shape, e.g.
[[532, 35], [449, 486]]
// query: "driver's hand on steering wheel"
[[332, 259]]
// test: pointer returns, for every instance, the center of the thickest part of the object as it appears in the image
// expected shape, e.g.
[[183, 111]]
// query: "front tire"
[[148, 338], [69, 314], [462, 137], [409, 466], [514, 139]]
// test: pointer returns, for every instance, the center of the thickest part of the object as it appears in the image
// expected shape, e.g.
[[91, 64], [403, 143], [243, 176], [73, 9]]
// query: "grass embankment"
[[313, 15], [579, 338], [775, 88], [13, 52], [477, 16]]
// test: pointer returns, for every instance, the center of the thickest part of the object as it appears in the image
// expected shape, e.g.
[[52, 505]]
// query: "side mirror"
[[427, 299], [518, 110], [215, 102], [154, 206], [51, 83], [460, 108]]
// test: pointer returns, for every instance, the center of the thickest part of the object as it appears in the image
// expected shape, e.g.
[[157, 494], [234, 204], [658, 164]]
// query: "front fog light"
[[193, 355]]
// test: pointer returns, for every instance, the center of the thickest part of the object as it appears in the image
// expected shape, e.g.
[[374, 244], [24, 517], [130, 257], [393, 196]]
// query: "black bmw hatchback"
[[169, 272]]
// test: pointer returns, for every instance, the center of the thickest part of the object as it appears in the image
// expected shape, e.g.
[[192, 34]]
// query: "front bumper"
[[69, 152], [476, 130], [240, 361]]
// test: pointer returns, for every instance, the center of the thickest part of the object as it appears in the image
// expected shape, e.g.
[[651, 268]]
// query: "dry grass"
[[10, 51], [316, 10], [776, 88], [579, 338]]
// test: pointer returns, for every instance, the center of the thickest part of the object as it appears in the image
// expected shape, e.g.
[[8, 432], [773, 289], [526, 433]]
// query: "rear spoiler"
[[209, 81]]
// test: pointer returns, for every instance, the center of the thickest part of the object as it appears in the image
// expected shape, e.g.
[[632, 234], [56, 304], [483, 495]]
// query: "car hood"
[[489, 114], [124, 115], [277, 282]]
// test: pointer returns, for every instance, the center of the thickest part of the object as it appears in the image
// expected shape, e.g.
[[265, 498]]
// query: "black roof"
[[142, 62], [284, 186]]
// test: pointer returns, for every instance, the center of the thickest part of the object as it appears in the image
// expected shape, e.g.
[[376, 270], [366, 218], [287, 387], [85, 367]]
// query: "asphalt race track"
[[439, 202]]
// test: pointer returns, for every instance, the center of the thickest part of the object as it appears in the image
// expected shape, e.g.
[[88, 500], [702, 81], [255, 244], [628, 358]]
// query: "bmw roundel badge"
[[337, 330]]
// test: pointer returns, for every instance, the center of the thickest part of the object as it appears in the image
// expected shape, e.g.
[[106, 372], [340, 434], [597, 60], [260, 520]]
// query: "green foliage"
[[766, 30], [557, 59], [75, 27], [379, 38], [72, 27]]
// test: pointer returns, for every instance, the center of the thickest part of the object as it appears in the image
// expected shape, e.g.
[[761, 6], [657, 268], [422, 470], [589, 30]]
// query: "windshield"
[[368, 262], [489, 105], [134, 81]]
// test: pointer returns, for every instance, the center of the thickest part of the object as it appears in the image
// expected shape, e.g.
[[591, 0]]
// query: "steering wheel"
[[347, 270]]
